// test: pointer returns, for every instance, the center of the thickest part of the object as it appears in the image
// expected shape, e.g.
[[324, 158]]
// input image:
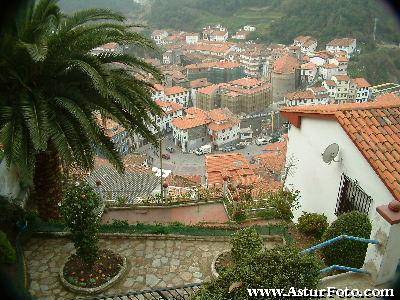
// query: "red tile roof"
[[174, 90], [199, 83], [342, 77], [361, 82], [286, 64], [169, 107], [300, 95], [188, 122], [374, 127], [233, 165], [341, 42]]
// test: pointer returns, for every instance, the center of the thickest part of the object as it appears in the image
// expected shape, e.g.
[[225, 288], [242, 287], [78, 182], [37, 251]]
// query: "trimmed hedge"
[[345, 252], [245, 244], [312, 224], [7, 252], [279, 268]]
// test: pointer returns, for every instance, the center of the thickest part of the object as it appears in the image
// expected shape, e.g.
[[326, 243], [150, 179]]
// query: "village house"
[[307, 44], [342, 88], [253, 62], [362, 90], [347, 45], [171, 110], [159, 36], [198, 127], [192, 38], [240, 35], [175, 94], [107, 48], [361, 174], [308, 72], [194, 86], [216, 33], [307, 97]]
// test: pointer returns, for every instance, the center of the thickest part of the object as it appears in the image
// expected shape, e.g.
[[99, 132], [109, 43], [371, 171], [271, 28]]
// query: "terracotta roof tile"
[[373, 128]]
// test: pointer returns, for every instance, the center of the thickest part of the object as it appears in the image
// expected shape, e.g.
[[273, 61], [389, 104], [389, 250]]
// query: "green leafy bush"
[[7, 252], [279, 268], [245, 244], [284, 202], [79, 212], [122, 201], [345, 252], [313, 224]]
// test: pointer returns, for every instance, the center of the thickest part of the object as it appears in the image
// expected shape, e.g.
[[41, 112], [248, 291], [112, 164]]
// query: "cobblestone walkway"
[[152, 263]]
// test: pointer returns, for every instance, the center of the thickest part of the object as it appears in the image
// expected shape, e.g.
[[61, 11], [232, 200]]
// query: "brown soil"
[[77, 273], [223, 262]]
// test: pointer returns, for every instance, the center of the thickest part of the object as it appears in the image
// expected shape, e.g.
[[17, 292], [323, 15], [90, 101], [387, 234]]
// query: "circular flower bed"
[[221, 263], [106, 270]]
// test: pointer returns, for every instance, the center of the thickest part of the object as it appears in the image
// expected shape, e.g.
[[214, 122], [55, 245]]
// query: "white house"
[[177, 94], [342, 88], [224, 127], [171, 111], [366, 171], [364, 176], [307, 44], [192, 38], [347, 45], [328, 70], [249, 28], [159, 36], [363, 89], [308, 72], [218, 36]]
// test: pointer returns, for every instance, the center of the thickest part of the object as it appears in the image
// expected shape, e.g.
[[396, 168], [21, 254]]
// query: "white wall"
[[317, 182]]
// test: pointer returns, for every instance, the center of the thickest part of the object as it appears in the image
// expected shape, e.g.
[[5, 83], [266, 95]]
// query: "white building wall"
[[318, 182]]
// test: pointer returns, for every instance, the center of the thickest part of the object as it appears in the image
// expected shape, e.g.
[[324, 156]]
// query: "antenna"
[[330, 153]]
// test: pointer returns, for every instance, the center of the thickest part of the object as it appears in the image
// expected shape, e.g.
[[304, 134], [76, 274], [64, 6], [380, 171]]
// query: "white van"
[[203, 150]]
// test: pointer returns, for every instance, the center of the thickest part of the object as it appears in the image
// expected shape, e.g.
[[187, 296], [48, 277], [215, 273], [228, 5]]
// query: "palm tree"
[[52, 86]]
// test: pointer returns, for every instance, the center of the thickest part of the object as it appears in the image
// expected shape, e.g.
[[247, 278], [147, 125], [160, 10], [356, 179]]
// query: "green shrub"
[[79, 212], [345, 252], [312, 224], [122, 201], [120, 224], [284, 202], [7, 252], [279, 268], [245, 244]]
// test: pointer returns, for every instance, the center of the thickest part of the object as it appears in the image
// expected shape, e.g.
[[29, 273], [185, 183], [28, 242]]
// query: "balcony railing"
[[177, 293]]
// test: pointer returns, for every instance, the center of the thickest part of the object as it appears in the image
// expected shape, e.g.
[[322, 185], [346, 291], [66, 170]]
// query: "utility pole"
[[161, 169], [374, 33], [272, 122]]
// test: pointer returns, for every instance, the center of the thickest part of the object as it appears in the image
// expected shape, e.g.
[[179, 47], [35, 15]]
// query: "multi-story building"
[[194, 86], [308, 72], [108, 48], [220, 50], [216, 127], [241, 96], [171, 110], [159, 36], [307, 97], [192, 38], [361, 92], [342, 88], [215, 72], [347, 45], [177, 94], [307, 44], [253, 62], [328, 70]]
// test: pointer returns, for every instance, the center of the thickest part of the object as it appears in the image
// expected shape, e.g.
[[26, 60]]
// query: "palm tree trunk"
[[47, 192]]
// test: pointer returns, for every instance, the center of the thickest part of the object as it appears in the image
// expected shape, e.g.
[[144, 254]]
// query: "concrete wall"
[[318, 182]]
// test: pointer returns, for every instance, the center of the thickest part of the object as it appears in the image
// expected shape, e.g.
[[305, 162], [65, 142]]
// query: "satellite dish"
[[330, 153]]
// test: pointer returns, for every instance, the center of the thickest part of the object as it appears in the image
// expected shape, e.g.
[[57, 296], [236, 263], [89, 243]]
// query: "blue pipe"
[[336, 239], [343, 268]]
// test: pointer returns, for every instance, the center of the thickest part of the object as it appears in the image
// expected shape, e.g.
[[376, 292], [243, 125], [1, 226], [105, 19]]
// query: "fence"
[[178, 293]]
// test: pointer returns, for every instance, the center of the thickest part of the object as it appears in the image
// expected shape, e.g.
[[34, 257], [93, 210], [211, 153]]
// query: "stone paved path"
[[153, 263]]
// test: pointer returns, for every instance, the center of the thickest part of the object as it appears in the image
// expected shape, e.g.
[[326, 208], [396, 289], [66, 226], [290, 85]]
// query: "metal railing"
[[334, 240], [179, 293]]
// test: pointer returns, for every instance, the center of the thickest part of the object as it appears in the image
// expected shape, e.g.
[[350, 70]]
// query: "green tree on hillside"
[[50, 87]]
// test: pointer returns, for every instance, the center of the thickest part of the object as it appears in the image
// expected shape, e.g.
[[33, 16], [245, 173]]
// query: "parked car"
[[166, 156], [170, 149], [205, 149], [274, 140], [228, 149], [240, 145], [262, 141]]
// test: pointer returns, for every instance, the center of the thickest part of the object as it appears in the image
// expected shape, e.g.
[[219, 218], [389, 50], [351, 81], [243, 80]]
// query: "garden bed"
[[221, 263], [107, 269]]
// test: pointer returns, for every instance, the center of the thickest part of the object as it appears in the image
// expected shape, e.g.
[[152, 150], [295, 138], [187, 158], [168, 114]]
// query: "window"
[[351, 197]]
